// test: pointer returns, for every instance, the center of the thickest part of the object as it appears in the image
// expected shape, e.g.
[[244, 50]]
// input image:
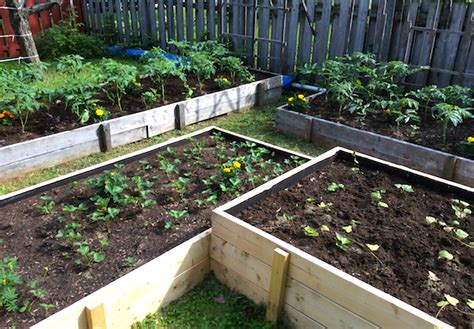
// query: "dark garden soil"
[[409, 246], [57, 119], [142, 233], [430, 132]]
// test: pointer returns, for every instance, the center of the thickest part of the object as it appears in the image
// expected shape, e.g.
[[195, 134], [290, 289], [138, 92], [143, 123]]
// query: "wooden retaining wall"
[[317, 295], [140, 292], [328, 133], [20, 158]]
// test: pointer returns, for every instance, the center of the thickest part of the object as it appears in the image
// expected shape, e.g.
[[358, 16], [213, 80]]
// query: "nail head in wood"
[[105, 138], [179, 115], [95, 317], [276, 293]]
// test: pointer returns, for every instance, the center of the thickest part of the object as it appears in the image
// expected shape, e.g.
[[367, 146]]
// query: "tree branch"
[[42, 6]]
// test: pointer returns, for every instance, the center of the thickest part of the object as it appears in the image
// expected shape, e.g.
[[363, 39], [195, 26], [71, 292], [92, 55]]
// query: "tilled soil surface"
[[430, 132], [408, 245], [29, 234], [57, 119]]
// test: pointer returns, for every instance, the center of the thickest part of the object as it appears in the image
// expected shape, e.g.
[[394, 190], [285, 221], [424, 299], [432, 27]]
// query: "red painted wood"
[[9, 47]]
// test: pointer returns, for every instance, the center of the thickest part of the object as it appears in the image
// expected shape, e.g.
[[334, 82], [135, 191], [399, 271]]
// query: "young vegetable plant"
[[405, 188], [160, 69], [333, 187], [449, 113], [48, 204], [202, 66], [179, 213], [342, 241]]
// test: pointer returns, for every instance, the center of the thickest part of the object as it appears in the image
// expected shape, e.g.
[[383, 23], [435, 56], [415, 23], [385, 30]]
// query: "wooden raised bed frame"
[[151, 286], [317, 294], [422, 158], [44, 152]]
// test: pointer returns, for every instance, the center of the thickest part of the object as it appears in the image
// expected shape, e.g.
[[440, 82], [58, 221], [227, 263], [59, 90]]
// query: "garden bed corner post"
[[276, 293], [180, 117], [260, 97], [95, 317]]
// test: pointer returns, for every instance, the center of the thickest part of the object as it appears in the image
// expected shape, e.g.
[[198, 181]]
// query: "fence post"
[[105, 138], [179, 116], [96, 317]]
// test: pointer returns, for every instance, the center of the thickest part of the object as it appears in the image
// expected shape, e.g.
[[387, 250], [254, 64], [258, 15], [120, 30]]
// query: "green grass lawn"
[[208, 305], [256, 123]]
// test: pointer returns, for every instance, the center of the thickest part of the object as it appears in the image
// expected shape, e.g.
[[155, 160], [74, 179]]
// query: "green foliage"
[[209, 305], [448, 113], [162, 68], [71, 64], [201, 66], [118, 78], [8, 288], [222, 82], [236, 68], [65, 39]]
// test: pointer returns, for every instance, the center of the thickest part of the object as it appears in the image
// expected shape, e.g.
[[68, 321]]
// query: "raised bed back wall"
[[44, 152], [317, 294], [328, 133]]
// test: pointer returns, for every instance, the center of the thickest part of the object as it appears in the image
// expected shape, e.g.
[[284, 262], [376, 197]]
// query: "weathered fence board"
[[282, 34]]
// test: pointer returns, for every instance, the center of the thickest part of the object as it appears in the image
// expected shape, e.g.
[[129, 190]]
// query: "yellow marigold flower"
[[225, 79], [138, 84], [236, 164], [227, 170], [94, 104], [470, 139], [112, 174], [291, 99], [301, 96], [99, 112], [4, 281]]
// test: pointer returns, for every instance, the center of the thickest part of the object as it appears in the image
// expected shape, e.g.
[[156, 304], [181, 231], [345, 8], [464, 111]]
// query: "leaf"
[[372, 247], [405, 188], [445, 254], [433, 277], [442, 303], [430, 220], [451, 300], [382, 204], [461, 234], [470, 303], [324, 228], [347, 228]]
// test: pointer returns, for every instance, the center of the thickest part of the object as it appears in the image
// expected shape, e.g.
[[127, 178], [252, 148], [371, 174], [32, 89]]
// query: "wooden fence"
[[9, 46], [278, 35]]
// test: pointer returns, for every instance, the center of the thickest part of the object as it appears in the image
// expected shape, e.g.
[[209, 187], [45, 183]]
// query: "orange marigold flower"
[[2, 115]]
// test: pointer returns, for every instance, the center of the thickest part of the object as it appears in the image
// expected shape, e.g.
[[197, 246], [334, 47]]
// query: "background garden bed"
[[327, 133], [341, 298], [43, 152]]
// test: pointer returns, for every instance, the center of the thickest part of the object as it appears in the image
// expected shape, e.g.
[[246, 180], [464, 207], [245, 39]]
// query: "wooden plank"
[[92, 15], [263, 30], [126, 21], [322, 36], [356, 296], [233, 8], [96, 317], [276, 293], [293, 123], [340, 28], [199, 20], [170, 20], [407, 35], [179, 21], [446, 48], [189, 21], [306, 34], [161, 24], [85, 11], [358, 37], [133, 19], [143, 290], [379, 26], [277, 34], [465, 44], [426, 47], [118, 13], [291, 38], [142, 13], [152, 21], [387, 31], [211, 19]]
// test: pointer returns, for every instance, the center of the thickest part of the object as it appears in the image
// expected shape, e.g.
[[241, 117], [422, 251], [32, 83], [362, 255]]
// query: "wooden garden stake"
[[276, 293], [105, 138], [260, 97], [96, 317], [179, 115]]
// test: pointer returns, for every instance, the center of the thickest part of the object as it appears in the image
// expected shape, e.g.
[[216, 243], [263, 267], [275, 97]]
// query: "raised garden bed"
[[321, 125], [43, 152], [85, 233], [332, 287]]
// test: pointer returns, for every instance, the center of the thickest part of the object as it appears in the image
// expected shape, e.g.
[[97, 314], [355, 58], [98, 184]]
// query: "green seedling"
[[342, 241], [333, 187], [405, 188], [179, 213], [309, 231]]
